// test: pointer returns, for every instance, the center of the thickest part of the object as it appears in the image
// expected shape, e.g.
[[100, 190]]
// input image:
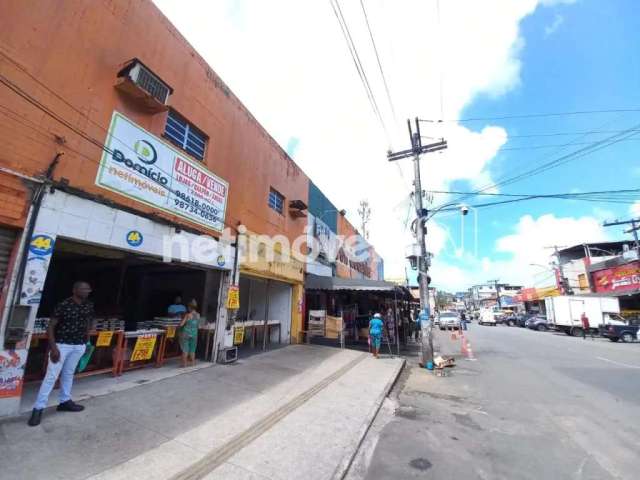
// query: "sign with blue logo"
[[134, 238], [424, 316], [41, 244], [221, 260]]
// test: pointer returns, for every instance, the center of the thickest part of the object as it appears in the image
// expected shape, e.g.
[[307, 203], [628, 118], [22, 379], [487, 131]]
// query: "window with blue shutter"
[[184, 135], [276, 201]]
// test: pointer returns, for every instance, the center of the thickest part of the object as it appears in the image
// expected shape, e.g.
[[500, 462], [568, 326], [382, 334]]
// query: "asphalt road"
[[532, 406]]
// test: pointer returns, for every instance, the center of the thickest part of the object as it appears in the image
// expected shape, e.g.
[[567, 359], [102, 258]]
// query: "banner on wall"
[[35, 273], [11, 372], [140, 166], [618, 279]]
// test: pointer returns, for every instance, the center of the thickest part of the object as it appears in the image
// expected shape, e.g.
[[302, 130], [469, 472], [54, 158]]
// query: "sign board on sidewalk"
[[317, 320], [233, 297], [141, 166], [143, 350], [238, 335], [171, 332], [104, 339]]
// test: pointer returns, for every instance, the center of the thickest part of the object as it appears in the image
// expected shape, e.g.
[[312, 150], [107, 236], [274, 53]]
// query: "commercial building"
[[129, 163]]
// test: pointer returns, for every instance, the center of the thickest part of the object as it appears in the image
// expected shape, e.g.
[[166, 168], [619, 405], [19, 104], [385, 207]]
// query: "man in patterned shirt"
[[68, 333]]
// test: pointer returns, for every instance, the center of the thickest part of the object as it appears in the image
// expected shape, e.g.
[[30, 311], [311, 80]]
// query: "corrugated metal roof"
[[316, 282]]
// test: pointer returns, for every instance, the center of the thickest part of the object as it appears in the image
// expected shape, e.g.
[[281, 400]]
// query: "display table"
[[103, 360], [134, 344], [254, 325]]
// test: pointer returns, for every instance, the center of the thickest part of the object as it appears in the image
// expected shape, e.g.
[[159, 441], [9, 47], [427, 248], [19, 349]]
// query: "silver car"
[[449, 321]]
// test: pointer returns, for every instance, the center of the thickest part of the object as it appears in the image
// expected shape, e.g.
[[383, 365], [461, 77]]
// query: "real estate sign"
[[140, 166]]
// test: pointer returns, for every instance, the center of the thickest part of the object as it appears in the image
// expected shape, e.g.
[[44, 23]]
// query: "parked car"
[[487, 317], [537, 322], [623, 332], [449, 321]]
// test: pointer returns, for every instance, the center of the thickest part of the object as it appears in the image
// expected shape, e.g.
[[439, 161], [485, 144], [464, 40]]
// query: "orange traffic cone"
[[463, 350], [469, 351]]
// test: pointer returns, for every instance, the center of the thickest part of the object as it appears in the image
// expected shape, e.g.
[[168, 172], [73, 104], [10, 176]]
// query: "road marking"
[[618, 363]]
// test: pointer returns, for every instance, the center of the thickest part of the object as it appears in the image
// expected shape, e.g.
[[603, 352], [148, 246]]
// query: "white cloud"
[[550, 29], [288, 62], [526, 250], [634, 210]]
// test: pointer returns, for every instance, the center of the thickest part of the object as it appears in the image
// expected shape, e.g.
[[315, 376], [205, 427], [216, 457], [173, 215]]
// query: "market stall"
[[131, 295]]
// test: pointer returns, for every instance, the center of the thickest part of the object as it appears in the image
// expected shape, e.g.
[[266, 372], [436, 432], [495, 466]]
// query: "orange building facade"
[[116, 136]]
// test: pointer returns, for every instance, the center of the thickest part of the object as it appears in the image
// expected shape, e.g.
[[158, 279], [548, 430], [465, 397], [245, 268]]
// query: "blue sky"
[[591, 61]]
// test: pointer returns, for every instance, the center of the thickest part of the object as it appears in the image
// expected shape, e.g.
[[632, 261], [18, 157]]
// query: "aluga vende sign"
[[140, 166]]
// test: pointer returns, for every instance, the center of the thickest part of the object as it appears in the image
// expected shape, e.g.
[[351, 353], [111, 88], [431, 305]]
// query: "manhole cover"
[[420, 464]]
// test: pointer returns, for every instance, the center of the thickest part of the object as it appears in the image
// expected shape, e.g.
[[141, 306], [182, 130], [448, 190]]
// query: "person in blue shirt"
[[177, 309], [375, 333]]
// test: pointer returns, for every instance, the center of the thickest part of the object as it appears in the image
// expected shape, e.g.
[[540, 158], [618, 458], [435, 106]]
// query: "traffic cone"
[[469, 351], [464, 346]]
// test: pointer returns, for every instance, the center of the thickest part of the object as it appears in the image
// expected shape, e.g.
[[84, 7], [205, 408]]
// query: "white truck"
[[487, 317], [564, 312]]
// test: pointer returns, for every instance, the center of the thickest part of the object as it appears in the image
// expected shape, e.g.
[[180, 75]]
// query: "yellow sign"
[[238, 335], [171, 332], [104, 339], [143, 349], [233, 298]]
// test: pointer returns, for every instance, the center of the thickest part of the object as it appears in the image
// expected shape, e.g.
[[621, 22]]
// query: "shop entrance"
[[131, 295], [265, 306]]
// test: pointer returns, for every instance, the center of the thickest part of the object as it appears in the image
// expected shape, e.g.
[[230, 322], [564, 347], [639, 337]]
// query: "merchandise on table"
[[108, 324], [163, 322]]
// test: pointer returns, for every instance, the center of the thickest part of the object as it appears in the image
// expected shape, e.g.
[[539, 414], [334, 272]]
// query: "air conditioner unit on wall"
[[138, 81]]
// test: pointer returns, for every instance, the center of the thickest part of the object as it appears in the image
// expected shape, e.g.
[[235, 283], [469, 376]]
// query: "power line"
[[335, 5], [375, 49], [538, 147], [559, 134], [536, 115], [599, 145], [630, 190]]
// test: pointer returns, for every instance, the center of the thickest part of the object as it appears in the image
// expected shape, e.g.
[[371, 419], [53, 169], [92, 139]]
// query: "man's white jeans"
[[65, 367]]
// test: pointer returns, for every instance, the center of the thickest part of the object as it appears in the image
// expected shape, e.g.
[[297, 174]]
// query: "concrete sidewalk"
[[296, 412]]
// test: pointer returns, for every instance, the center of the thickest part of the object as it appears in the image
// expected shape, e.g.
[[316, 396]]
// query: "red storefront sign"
[[618, 279]]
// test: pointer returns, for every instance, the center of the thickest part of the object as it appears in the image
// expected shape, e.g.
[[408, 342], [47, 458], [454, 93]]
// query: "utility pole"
[[635, 226], [497, 285], [423, 261], [564, 281]]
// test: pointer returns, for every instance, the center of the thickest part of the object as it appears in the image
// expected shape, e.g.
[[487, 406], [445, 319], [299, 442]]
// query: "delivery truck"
[[564, 312]]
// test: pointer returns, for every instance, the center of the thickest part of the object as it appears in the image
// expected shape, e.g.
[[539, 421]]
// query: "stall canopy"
[[316, 282]]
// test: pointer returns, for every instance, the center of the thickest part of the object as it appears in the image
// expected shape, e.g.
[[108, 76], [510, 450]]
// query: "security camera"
[[464, 209]]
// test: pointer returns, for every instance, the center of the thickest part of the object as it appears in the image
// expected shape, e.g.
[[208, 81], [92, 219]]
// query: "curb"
[[345, 464]]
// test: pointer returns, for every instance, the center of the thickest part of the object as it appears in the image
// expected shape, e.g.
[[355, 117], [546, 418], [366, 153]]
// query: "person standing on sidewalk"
[[68, 332], [586, 328], [189, 334], [463, 321], [375, 333]]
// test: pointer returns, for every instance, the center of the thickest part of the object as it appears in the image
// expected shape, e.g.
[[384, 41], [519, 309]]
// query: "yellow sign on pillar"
[[233, 298], [104, 339], [143, 349]]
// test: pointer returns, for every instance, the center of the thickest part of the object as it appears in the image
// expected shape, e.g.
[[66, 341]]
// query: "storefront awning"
[[315, 282]]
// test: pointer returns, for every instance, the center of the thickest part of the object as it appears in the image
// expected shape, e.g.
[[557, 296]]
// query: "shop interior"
[[356, 307], [130, 292], [264, 302]]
